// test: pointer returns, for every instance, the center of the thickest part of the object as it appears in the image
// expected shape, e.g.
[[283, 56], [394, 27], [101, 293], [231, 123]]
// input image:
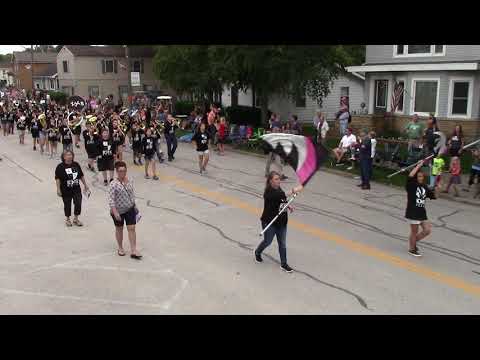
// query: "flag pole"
[[280, 212], [427, 158]]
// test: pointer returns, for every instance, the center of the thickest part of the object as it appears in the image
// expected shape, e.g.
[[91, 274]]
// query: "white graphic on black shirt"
[[421, 196]]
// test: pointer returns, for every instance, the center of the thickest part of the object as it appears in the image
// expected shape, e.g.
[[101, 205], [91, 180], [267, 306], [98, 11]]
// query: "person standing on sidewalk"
[[123, 210], [455, 177], [365, 160], [416, 214], [170, 127], [68, 175], [274, 197], [414, 130]]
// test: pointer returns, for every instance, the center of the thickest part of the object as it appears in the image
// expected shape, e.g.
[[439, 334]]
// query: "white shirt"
[[348, 141]]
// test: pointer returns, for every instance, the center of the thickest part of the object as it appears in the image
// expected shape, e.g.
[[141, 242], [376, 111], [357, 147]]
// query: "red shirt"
[[221, 130]]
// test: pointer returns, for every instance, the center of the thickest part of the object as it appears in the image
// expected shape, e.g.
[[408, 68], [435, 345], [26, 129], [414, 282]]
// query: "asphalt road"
[[197, 234]]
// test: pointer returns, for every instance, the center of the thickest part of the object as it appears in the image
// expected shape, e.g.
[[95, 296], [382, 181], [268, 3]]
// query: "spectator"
[[275, 122], [296, 127], [455, 178], [373, 139], [322, 129], [429, 134], [475, 170], [317, 119], [414, 131], [347, 143], [437, 168], [456, 143], [365, 160], [123, 210], [343, 119], [273, 158]]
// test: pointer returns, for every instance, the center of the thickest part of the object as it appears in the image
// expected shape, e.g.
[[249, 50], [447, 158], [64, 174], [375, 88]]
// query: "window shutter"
[[103, 66], [115, 66], [141, 66]]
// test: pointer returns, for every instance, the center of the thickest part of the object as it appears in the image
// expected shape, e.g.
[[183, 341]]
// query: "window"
[[94, 91], [418, 50], [65, 66], [381, 93], [52, 84], [399, 92], [301, 101], [234, 96], [109, 66], [425, 94], [459, 98], [136, 66]]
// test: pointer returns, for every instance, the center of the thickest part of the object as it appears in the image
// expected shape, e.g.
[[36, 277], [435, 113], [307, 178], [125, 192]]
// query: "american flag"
[[396, 96]]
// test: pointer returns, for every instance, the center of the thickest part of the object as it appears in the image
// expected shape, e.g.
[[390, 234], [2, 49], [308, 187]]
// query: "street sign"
[[135, 78]]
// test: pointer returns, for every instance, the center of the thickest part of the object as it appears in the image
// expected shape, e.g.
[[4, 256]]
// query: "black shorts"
[[91, 155], [105, 164], [129, 218], [149, 157]]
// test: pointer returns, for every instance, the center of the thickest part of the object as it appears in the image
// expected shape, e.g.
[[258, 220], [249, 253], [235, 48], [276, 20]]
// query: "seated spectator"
[[275, 122], [347, 143], [295, 126]]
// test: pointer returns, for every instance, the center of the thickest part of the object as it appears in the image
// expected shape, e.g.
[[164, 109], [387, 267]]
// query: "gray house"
[[348, 86], [440, 79], [99, 71]]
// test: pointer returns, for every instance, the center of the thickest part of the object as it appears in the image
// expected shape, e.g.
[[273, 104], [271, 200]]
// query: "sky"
[[7, 49]]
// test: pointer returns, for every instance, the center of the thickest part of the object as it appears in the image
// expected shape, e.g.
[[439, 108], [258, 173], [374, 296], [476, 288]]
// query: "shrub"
[[184, 107], [244, 115], [58, 96]]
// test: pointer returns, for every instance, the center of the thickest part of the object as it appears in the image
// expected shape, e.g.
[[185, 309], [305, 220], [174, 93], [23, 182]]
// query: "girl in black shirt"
[[137, 137], [274, 197], [21, 127], [52, 136], [148, 147], [35, 129], [200, 140], [106, 153], [66, 136], [91, 139], [68, 175], [118, 138], [417, 192]]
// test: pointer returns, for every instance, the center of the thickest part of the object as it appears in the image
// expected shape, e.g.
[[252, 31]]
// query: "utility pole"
[[127, 56], [31, 68]]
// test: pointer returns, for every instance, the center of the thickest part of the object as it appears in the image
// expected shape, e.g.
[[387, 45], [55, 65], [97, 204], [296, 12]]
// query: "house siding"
[[285, 107], [408, 77], [381, 54]]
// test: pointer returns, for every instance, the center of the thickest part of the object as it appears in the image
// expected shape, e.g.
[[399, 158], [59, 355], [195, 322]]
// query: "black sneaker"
[[170, 159], [258, 257], [286, 268], [414, 252]]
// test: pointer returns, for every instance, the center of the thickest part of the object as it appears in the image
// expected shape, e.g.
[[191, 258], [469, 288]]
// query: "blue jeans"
[[343, 127], [171, 144], [366, 171], [281, 233]]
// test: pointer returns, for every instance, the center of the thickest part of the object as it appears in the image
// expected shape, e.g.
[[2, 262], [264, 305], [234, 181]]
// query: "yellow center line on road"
[[354, 246]]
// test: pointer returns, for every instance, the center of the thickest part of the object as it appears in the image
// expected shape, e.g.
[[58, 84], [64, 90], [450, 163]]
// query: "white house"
[[349, 85], [6, 74]]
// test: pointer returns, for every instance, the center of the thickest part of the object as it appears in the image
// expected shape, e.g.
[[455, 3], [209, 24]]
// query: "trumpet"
[[43, 120]]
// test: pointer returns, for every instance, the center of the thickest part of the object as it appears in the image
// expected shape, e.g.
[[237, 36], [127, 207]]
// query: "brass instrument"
[[43, 120]]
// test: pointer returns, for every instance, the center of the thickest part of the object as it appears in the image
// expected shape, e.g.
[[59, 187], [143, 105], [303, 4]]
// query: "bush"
[[244, 115], [184, 107], [58, 96]]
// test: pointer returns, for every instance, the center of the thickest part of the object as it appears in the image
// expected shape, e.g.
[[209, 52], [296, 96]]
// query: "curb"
[[348, 175]]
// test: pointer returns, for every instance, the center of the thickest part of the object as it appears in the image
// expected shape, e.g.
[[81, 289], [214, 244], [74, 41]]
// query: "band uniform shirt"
[[69, 176], [201, 140], [417, 195]]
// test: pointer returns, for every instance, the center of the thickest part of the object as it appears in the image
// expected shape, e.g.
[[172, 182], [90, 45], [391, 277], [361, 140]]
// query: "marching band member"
[[148, 147], [21, 126], [137, 136], [35, 128], [52, 136], [66, 135], [106, 153], [200, 140], [156, 134], [169, 131], [118, 138], [91, 139]]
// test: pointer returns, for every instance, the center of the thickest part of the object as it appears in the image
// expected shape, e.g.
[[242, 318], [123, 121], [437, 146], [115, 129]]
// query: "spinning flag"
[[297, 151], [440, 143]]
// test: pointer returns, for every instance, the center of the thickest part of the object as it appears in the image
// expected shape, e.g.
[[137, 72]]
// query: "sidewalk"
[[464, 197]]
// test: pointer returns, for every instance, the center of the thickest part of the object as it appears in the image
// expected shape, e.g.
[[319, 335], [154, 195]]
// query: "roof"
[[110, 51], [49, 71], [414, 67], [38, 57]]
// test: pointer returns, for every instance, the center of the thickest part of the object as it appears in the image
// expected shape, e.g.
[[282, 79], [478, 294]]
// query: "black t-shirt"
[[36, 127], [148, 146], [430, 136], [455, 143], [137, 136], [169, 128], [118, 138], [201, 139], [106, 149], [52, 134], [366, 149], [66, 136], [21, 124], [69, 176], [417, 194], [91, 141], [212, 129], [273, 198]]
